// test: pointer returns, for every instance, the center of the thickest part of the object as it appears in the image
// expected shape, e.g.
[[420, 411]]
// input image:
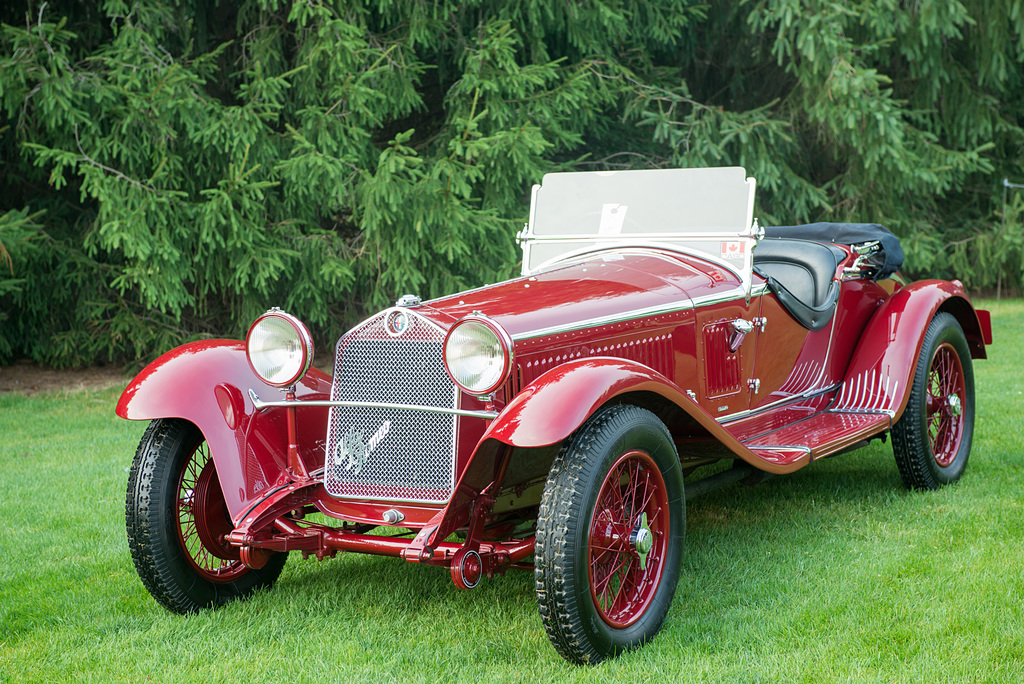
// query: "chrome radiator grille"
[[393, 455]]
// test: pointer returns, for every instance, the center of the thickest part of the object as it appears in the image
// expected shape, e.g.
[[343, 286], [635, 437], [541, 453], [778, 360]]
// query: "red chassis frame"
[[268, 489]]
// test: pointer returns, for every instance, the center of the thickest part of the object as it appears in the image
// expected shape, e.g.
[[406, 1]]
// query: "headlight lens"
[[279, 348], [478, 355]]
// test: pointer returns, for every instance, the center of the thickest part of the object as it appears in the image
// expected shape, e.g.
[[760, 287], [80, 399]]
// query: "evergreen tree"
[[174, 167]]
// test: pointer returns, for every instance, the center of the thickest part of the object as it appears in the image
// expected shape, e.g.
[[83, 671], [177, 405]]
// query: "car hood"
[[606, 285]]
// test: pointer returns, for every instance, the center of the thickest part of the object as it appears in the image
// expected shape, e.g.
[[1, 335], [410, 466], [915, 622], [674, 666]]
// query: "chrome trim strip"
[[686, 305], [828, 352], [718, 298], [260, 405], [731, 295], [869, 411], [796, 447]]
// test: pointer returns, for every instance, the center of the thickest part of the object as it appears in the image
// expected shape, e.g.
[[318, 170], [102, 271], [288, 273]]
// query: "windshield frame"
[[705, 212]]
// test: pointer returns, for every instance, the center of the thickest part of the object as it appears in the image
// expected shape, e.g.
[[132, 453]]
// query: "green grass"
[[835, 573]]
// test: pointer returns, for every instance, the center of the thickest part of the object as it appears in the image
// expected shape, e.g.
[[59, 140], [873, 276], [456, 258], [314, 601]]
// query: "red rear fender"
[[207, 383], [882, 367]]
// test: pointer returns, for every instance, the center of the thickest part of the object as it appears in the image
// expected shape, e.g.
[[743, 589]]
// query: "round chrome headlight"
[[478, 355], [279, 348]]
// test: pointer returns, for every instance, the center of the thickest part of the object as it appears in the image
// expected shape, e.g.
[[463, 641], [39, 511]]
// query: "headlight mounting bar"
[[260, 405]]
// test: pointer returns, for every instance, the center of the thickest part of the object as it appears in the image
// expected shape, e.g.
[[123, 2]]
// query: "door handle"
[[740, 329]]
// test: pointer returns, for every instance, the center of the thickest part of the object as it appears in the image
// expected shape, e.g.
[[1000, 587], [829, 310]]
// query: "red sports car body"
[[557, 421]]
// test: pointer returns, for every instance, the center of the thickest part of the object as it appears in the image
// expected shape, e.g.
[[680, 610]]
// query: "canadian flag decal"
[[734, 250]]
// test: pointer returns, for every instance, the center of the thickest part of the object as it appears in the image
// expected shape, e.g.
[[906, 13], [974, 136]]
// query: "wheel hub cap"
[[641, 540], [953, 405]]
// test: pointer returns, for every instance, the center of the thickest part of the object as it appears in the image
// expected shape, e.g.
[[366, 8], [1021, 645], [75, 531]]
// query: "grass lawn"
[[835, 573]]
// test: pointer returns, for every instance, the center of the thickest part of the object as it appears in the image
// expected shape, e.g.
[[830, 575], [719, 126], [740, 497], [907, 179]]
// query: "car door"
[[727, 354], [789, 360]]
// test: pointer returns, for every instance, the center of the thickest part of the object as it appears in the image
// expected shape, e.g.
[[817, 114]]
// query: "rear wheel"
[[609, 535], [177, 520], [932, 439]]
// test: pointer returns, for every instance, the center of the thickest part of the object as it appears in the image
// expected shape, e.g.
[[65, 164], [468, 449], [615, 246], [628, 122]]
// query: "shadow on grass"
[[392, 589], [743, 545], [754, 550]]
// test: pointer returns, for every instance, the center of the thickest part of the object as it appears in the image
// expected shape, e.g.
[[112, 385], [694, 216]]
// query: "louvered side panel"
[[721, 366]]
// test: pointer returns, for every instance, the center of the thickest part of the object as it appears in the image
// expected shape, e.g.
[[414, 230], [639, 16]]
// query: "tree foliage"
[[172, 168]]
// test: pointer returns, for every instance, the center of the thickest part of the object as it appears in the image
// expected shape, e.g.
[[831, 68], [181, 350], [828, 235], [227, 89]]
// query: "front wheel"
[[177, 520], [932, 439], [609, 535]]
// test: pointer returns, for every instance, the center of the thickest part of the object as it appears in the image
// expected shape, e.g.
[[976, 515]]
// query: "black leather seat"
[[801, 275], [886, 260]]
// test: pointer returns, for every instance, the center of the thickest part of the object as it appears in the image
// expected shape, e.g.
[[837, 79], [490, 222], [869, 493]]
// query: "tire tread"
[[910, 444], [159, 561], [565, 492]]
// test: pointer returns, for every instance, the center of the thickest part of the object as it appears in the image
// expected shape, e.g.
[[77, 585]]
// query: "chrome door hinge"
[[754, 384]]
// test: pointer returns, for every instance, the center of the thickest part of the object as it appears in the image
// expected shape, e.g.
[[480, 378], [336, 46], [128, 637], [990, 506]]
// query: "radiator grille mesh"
[[393, 455]]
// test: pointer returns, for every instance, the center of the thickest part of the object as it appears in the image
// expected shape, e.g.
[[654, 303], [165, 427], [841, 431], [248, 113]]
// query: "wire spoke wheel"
[[932, 439], [945, 401], [203, 520], [628, 538], [177, 523], [609, 535]]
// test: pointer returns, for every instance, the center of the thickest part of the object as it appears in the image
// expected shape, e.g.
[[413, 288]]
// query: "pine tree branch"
[[117, 174]]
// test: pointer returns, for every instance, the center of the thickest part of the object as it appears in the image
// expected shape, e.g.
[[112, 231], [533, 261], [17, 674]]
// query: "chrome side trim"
[[260, 405], [879, 412], [774, 447], [686, 305], [729, 295], [828, 352]]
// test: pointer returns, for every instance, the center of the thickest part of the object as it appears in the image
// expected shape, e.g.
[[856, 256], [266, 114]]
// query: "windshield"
[[708, 211]]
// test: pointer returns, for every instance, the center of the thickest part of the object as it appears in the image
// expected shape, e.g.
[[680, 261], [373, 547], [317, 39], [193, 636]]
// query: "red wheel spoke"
[[623, 581], [602, 587], [648, 495], [632, 489], [635, 478], [618, 502], [945, 404], [191, 505]]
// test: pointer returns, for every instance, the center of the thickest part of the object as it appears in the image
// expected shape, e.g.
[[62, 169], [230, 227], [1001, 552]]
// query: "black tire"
[[175, 514], [574, 578], [932, 439]]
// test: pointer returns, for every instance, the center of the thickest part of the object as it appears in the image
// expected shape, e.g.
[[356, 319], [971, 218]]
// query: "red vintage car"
[[558, 421]]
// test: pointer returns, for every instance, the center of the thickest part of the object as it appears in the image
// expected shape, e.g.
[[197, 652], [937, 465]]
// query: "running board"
[[818, 436]]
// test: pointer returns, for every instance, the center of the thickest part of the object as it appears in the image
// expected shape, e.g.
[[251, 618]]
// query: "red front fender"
[[207, 383], [882, 368], [558, 402]]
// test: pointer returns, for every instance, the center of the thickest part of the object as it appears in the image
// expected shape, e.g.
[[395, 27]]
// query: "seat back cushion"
[[801, 274]]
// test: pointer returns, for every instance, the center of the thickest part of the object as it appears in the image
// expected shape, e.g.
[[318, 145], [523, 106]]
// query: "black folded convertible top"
[[888, 260]]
